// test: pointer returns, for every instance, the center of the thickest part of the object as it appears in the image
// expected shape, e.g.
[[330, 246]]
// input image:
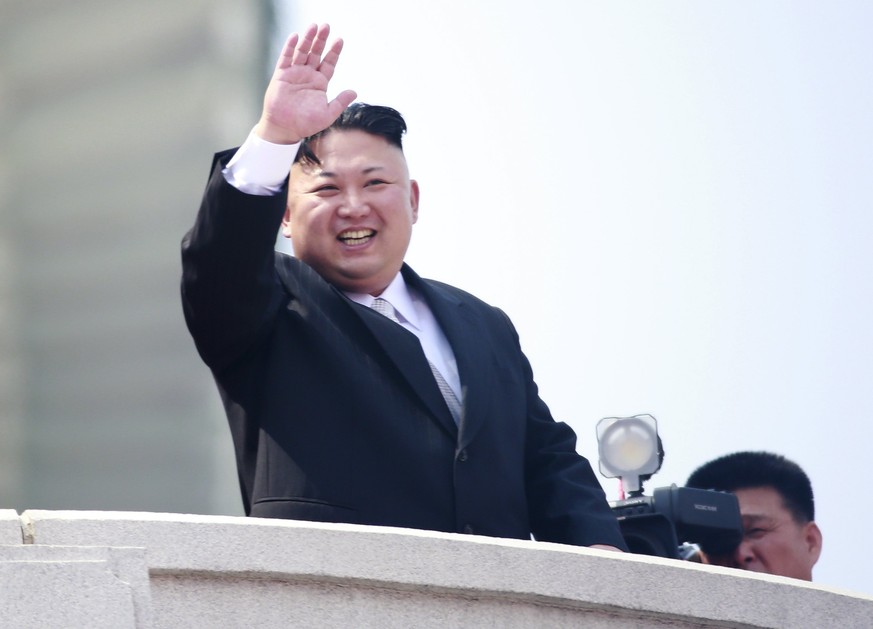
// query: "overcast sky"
[[671, 200]]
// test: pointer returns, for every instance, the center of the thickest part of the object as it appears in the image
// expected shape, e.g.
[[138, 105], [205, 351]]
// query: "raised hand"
[[296, 104]]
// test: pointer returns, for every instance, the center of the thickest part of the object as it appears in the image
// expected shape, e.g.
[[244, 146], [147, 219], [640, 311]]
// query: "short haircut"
[[378, 120], [747, 470]]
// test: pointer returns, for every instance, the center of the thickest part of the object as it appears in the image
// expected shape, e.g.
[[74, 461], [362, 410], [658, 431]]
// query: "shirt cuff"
[[260, 167]]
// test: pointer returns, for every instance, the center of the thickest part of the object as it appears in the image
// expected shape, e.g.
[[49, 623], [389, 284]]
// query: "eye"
[[325, 189], [376, 182]]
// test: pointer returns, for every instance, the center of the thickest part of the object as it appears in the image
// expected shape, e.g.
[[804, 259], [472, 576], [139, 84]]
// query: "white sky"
[[672, 200]]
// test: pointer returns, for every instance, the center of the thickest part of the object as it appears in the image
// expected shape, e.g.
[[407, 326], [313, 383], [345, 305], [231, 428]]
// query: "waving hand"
[[296, 104]]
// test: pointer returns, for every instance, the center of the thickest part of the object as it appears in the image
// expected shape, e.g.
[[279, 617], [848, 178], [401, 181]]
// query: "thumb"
[[338, 105]]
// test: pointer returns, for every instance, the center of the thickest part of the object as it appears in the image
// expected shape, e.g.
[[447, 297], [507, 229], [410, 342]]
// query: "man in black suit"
[[416, 409]]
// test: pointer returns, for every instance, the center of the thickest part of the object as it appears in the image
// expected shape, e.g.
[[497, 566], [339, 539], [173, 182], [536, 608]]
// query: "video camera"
[[675, 522]]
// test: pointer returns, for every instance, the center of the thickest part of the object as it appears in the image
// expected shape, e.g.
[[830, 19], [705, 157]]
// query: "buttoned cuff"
[[260, 167]]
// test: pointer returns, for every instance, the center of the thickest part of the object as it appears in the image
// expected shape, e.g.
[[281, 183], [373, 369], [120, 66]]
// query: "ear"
[[413, 199], [813, 538], [286, 222]]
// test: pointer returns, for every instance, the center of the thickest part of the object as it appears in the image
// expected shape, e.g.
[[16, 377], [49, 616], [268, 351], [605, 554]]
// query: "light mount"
[[630, 450]]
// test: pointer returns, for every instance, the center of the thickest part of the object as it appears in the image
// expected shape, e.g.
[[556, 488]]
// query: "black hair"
[[746, 470], [378, 120]]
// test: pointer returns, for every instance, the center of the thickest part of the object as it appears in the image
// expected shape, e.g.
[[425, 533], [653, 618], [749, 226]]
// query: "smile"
[[356, 236]]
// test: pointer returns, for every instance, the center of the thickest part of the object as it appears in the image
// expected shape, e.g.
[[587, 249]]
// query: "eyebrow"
[[365, 171], [751, 520]]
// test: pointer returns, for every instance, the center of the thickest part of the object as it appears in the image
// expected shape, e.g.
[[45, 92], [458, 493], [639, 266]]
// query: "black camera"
[[674, 519], [674, 522]]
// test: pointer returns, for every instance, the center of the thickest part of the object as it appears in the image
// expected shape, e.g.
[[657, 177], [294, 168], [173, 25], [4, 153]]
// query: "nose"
[[743, 554], [354, 205]]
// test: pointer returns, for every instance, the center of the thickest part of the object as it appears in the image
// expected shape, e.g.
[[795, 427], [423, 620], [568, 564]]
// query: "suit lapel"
[[405, 352], [392, 345], [465, 333]]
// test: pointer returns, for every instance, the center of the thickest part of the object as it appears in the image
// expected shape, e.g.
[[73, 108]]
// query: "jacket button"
[[462, 456], [468, 530]]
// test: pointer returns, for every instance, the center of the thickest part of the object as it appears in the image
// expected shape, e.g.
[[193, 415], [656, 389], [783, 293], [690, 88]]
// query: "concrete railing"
[[154, 570]]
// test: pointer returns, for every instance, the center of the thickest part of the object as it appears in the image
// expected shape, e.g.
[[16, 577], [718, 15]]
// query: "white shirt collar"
[[397, 294]]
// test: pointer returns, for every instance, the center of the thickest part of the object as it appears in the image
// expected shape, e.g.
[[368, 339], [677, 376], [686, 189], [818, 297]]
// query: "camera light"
[[629, 449]]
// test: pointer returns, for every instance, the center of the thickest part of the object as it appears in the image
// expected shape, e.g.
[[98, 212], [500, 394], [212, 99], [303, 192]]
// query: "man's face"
[[773, 541], [350, 217]]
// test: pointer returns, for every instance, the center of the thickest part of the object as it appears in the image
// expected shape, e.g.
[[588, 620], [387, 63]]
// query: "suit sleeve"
[[229, 288], [566, 502]]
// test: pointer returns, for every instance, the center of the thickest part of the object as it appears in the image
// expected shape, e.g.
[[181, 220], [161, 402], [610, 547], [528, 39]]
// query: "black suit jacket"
[[335, 414]]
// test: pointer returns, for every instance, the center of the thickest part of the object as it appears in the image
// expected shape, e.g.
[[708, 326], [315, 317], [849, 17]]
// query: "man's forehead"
[[342, 138], [363, 165], [761, 503]]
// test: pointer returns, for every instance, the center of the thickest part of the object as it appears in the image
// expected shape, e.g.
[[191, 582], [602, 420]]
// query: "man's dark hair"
[[747, 470], [377, 120]]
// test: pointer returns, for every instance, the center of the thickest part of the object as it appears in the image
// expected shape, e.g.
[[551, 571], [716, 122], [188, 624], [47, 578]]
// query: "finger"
[[301, 52], [328, 64], [287, 52], [319, 44]]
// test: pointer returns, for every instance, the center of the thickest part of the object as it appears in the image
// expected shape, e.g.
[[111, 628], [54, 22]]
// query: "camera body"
[[656, 525]]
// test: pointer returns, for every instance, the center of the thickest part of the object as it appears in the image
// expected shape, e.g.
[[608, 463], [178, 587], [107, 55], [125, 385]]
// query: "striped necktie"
[[384, 308]]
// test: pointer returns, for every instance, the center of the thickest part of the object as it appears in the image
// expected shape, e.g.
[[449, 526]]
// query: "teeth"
[[358, 233], [356, 236]]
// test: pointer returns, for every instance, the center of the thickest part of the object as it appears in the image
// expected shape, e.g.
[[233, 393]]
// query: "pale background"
[[671, 200]]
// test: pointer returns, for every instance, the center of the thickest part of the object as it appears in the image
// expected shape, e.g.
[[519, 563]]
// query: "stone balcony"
[[154, 570]]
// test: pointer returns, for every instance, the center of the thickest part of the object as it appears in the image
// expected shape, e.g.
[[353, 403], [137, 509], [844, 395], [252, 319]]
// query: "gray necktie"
[[385, 308]]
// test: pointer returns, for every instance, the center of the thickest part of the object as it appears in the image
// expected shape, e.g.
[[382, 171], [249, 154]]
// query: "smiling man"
[[357, 391], [777, 508], [351, 203]]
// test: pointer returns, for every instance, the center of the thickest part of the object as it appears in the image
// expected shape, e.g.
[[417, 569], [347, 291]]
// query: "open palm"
[[296, 103]]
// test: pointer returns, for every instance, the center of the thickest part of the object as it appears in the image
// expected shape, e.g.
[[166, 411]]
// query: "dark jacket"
[[335, 414]]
